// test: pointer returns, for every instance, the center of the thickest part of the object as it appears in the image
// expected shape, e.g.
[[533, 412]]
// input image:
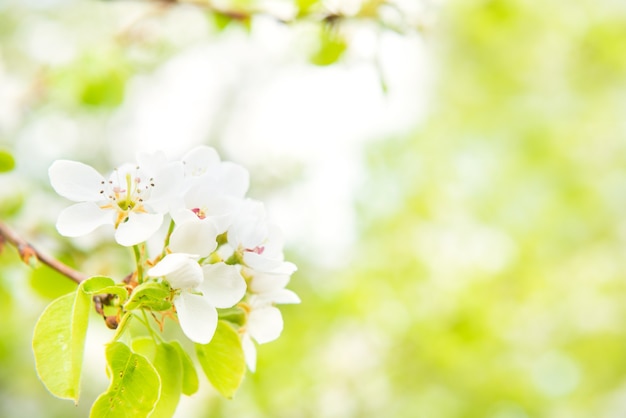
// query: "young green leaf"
[[172, 363], [134, 389], [59, 342], [190, 377], [222, 360], [150, 295], [169, 366], [99, 285], [145, 346]]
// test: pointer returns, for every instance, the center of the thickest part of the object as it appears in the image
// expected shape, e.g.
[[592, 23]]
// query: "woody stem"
[[27, 252]]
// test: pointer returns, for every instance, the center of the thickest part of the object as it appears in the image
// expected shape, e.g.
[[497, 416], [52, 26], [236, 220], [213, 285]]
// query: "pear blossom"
[[199, 291], [203, 165], [205, 201], [193, 235], [212, 220], [259, 242], [264, 321], [133, 199]]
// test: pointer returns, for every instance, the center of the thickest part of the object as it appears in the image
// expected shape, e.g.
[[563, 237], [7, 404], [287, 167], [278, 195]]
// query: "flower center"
[[127, 188], [258, 250], [200, 213]]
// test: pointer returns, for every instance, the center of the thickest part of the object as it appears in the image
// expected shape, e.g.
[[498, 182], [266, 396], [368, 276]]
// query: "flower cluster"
[[221, 251]]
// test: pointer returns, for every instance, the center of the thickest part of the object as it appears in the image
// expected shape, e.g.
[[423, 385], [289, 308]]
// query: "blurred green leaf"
[[134, 389], [49, 283], [223, 20], [11, 205], [222, 360], [330, 48], [306, 6], [97, 79], [7, 162]]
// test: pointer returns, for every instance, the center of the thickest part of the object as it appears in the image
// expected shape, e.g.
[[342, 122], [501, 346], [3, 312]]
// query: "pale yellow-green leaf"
[[58, 344], [222, 360], [169, 366], [190, 377], [134, 389]]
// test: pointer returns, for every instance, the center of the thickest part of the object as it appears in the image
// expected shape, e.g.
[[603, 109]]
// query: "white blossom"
[[200, 290], [259, 242], [133, 199], [264, 321]]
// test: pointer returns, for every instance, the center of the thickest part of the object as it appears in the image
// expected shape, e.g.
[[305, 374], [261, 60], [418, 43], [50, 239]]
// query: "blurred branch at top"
[[390, 14]]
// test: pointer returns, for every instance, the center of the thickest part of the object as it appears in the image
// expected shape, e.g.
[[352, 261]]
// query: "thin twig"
[[28, 252]]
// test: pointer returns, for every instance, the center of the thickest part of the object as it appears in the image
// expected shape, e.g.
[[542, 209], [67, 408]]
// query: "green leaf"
[[121, 327], [305, 6], [220, 20], [59, 342], [190, 377], [222, 360], [7, 162], [331, 47], [144, 346], [169, 366], [99, 285], [134, 389], [234, 315], [151, 295]]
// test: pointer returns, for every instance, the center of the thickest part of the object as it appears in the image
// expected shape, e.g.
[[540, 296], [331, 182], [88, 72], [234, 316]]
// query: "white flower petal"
[[263, 264], [166, 193], [151, 162], [182, 214], [250, 228], [234, 179], [221, 210], [249, 352], [199, 159], [265, 324], [82, 218], [182, 271], [280, 296], [266, 282], [197, 318], [76, 181], [222, 285], [138, 228], [195, 236]]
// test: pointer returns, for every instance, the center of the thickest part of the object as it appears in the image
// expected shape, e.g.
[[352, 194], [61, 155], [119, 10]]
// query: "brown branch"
[[28, 254], [241, 14]]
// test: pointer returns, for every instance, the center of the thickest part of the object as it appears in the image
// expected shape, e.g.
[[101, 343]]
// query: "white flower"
[[259, 242], [203, 165], [193, 235], [201, 289], [213, 189], [203, 200], [264, 321], [133, 199]]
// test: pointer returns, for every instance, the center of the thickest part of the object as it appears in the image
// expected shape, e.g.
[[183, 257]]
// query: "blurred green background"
[[488, 274]]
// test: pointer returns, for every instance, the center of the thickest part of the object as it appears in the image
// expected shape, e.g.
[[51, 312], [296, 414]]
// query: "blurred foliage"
[[488, 280], [7, 162]]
